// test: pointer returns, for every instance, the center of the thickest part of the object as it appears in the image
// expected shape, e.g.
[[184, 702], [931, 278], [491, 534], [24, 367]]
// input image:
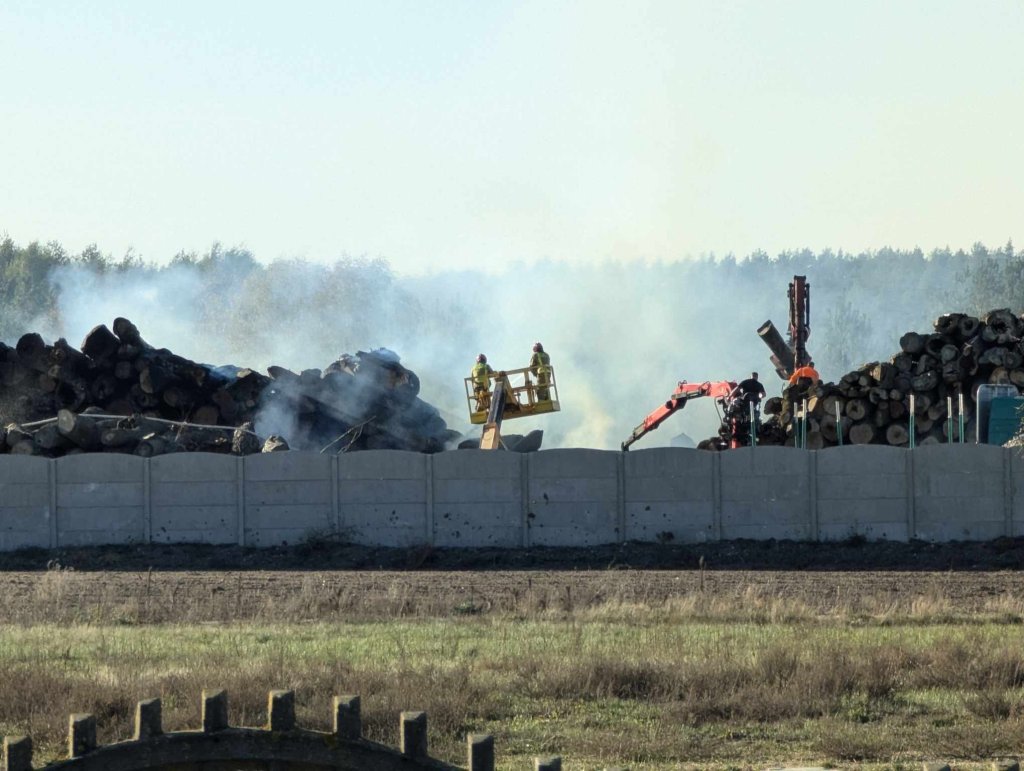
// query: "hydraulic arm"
[[684, 393]]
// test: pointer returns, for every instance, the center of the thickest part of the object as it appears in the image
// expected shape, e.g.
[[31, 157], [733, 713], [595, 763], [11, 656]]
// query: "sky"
[[453, 135]]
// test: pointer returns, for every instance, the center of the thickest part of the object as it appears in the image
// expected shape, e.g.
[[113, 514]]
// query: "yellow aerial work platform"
[[512, 393]]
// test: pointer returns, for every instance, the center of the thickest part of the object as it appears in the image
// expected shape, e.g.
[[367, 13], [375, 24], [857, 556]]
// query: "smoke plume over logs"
[[118, 393]]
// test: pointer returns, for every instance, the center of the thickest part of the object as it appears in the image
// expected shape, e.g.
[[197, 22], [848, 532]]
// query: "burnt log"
[[926, 381], [912, 343], [80, 431], [100, 344], [48, 438], [968, 326], [856, 409], [948, 324], [862, 433], [275, 444], [897, 435], [128, 333]]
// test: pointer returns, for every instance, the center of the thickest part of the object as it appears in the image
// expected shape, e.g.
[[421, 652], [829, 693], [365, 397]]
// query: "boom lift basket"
[[522, 395]]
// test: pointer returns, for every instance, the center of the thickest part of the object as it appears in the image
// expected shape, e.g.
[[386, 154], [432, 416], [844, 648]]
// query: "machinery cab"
[[522, 394]]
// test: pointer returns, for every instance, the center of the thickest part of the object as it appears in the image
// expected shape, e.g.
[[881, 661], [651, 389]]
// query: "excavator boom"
[[684, 393]]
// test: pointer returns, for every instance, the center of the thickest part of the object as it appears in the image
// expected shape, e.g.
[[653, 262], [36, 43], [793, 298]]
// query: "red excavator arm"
[[684, 392]]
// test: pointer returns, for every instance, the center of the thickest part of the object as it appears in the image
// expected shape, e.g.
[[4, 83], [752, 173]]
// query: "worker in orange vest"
[[808, 372]]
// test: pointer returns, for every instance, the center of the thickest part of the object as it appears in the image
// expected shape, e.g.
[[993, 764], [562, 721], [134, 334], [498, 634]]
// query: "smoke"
[[620, 335]]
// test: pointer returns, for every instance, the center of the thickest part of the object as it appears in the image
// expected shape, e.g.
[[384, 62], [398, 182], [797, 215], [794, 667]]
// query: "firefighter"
[[481, 376], [540, 367]]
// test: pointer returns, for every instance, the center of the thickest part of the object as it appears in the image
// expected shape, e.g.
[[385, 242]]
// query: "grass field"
[[698, 680]]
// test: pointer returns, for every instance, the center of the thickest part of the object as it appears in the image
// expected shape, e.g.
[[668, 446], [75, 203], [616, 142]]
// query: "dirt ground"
[[323, 579], [966, 592], [854, 554]]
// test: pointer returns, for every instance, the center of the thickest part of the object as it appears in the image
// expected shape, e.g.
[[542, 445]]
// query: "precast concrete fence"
[[469, 498], [280, 744]]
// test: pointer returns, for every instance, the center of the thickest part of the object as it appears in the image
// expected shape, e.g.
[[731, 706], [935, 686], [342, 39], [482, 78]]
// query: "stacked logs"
[[118, 393], [871, 405]]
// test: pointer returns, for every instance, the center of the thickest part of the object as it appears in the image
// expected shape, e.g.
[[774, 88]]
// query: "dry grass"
[[605, 677], [61, 595]]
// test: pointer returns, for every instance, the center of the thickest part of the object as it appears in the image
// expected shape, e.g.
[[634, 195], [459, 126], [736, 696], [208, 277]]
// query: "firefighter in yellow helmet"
[[481, 376], [540, 368]]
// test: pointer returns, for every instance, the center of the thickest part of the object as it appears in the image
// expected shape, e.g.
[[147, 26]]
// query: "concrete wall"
[[766, 493], [382, 497], [550, 498], [26, 505], [101, 499], [960, 496], [573, 497], [864, 490], [670, 495], [194, 497], [288, 495], [478, 498]]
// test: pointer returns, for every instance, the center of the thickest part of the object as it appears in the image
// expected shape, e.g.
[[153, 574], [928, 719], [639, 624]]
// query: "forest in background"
[[620, 334]]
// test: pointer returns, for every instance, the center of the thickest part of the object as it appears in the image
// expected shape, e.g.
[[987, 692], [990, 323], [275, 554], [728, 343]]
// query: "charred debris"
[[118, 393]]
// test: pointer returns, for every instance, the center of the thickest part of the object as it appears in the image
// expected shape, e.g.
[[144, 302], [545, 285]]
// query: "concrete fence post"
[[1008, 492], [481, 752], [428, 478], [240, 487], [812, 487], [336, 522], [524, 497], [215, 710], [911, 497], [281, 710], [620, 496], [716, 494], [148, 719], [147, 504], [414, 734], [17, 754], [51, 476], [81, 735], [348, 722]]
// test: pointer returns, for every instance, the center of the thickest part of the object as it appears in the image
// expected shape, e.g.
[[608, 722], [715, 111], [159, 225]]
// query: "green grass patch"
[[648, 693]]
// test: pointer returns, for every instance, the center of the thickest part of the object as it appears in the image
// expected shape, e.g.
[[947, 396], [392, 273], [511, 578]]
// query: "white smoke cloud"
[[620, 335]]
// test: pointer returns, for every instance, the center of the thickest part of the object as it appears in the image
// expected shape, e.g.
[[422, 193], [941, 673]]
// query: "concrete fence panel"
[[766, 493], [574, 498], [101, 499], [383, 497], [669, 495], [1015, 491], [959, 492], [194, 498], [26, 513], [287, 496], [478, 498], [863, 490]]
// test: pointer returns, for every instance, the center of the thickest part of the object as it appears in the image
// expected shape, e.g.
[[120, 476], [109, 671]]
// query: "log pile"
[[871, 405], [118, 393]]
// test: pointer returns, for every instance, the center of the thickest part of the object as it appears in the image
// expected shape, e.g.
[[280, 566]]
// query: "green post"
[[913, 422], [839, 428], [804, 435], [949, 420], [753, 425], [960, 410]]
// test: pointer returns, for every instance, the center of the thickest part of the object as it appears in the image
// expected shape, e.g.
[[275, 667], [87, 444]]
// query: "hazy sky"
[[476, 133]]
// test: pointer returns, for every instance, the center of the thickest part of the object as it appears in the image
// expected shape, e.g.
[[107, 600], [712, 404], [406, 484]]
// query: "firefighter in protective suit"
[[481, 376], [540, 368]]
